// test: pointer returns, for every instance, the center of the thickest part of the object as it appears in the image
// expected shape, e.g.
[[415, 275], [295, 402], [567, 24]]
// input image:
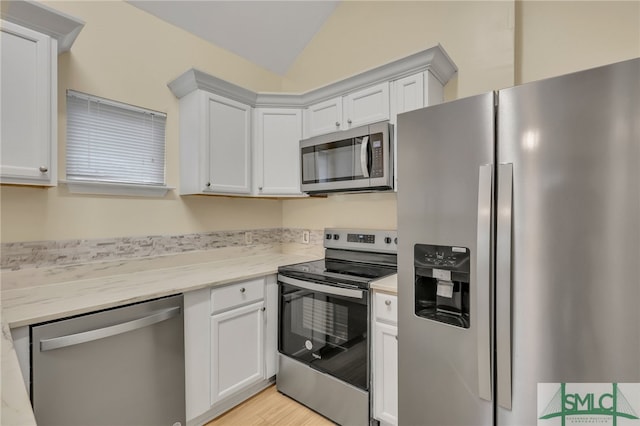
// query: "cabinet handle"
[[337, 124], [208, 184], [44, 169], [387, 302], [242, 290], [349, 121]]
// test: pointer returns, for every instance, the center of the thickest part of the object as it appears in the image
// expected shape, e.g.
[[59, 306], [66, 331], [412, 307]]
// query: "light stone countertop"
[[91, 289], [387, 284]]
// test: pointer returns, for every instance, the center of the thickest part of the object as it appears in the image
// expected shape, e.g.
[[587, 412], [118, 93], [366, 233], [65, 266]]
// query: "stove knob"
[[387, 240], [336, 236], [328, 236], [395, 240]]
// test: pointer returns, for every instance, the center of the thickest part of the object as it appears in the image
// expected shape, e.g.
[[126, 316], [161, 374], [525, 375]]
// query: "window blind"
[[109, 141]]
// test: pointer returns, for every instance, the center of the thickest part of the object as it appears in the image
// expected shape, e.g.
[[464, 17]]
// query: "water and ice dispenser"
[[442, 283]]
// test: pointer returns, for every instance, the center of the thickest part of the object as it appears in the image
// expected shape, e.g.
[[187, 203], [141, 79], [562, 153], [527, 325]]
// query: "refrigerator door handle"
[[503, 284], [483, 292]]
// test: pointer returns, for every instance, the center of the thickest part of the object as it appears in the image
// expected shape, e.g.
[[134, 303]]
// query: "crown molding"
[[434, 60], [43, 19]]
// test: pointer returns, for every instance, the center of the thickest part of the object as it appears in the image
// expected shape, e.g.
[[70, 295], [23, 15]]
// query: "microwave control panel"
[[377, 156]]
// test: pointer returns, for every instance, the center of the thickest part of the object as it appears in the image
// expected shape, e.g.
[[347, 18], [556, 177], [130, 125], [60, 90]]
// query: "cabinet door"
[[323, 117], [229, 137], [237, 350], [367, 106], [278, 134], [29, 106], [385, 375], [408, 94]]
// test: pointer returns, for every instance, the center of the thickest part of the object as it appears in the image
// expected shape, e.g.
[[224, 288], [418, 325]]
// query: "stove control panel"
[[385, 241]]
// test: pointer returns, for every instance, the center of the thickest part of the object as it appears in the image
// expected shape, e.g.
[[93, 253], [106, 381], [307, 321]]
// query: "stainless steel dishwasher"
[[121, 366]]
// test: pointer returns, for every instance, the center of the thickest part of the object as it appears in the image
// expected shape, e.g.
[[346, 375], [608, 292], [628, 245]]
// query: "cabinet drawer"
[[227, 297], [386, 306]]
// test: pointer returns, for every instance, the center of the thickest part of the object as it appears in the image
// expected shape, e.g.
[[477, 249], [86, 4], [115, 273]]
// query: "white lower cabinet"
[[229, 336], [385, 359], [237, 350]]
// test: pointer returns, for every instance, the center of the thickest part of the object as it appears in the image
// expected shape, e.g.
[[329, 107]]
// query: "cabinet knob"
[[242, 290], [259, 188], [208, 184], [349, 121], [387, 302], [337, 124], [264, 309], [44, 169]]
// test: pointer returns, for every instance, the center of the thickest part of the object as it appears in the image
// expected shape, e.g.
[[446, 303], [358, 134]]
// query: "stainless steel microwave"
[[359, 159]]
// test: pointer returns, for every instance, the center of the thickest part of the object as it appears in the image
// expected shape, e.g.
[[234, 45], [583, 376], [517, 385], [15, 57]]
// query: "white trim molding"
[[116, 189], [434, 59], [44, 19]]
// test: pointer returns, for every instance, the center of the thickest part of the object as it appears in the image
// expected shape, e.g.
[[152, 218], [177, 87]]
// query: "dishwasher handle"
[[101, 333]]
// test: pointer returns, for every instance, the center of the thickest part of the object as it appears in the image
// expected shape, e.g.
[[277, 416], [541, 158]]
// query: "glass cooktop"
[[332, 271]]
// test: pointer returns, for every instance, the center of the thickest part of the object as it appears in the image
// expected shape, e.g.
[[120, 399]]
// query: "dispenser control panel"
[[446, 257]]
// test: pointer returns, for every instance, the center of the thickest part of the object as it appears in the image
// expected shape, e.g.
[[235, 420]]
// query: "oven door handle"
[[322, 288]]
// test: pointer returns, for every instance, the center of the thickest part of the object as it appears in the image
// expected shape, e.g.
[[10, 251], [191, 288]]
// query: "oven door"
[[325, 327]]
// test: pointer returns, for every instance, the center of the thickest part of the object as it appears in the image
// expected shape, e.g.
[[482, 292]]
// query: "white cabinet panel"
[[408, 94], [385, 364], [271, 337], [237, 350], [229, 135], [367, 106], [29, 106], [197, 314], [323, 117], [242, 293], [215, 145], [278, 134]]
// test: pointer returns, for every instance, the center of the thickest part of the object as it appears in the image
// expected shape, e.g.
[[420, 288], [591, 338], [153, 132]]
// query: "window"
[[114, 145]]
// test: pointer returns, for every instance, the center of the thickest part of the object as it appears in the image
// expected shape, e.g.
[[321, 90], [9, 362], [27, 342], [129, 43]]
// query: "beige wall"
[[128, 55], [125, 54], [550, 38], [359, 35], [559, 37]]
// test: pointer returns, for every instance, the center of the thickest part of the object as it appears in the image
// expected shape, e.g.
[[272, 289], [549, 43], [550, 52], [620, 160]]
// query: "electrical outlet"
[[247, 237], [305, 237]]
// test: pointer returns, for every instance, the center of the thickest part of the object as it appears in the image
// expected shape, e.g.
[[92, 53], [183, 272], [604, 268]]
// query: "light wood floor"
[[270, 408]]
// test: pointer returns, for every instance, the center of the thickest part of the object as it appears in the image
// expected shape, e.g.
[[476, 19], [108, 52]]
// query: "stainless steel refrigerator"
[[519, 246]]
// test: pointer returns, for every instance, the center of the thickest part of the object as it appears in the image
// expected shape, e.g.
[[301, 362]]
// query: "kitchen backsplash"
[[40, 254]]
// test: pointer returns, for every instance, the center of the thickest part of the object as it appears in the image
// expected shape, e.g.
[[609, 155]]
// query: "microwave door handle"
[[364, 156]]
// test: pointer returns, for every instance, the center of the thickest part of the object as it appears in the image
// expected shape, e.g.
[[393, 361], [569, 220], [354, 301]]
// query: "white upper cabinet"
[[277, 159], [215, 145], [366, 106], [215, 136], [31, 36], [345, 112], [229, 143], [29, 88], [408, 94], [323, 117]]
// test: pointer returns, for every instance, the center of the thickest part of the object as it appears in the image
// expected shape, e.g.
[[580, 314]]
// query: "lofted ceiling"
[[268, 33]]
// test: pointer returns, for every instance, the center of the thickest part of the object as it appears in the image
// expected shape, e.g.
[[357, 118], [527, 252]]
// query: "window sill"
[[109, 188]]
